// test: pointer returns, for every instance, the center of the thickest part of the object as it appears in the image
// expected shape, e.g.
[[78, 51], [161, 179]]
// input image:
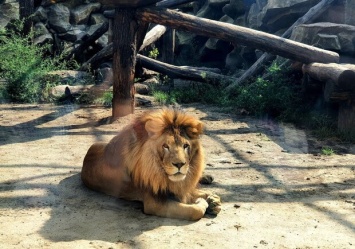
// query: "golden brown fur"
[[158, 159]]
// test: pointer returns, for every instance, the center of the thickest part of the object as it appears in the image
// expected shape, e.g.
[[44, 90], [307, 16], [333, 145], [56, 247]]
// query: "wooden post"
[[128, 34], [127, 37]]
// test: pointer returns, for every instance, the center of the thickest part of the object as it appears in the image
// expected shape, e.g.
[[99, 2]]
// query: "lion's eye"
[[166, 147], [186, 146]]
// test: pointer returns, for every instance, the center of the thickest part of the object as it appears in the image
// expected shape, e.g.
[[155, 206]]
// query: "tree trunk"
[[266, 58], [127, 38], [238, 35]]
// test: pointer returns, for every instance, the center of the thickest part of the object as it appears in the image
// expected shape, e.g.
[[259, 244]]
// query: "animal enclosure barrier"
[[130, 24]]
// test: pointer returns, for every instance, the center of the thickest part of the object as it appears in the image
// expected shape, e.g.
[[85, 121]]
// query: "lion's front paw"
[[214, 204], [202, 203]]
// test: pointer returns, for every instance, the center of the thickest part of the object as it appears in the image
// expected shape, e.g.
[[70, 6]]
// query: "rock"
[[213, 12], [104, 76], [234, 60], [234, 9], [350, 12], [74, 34], [278, 15], [330, 36], [141, 88], [81, 14], [59, 18], [97, 18], [8, 10], [43, 36], [40, 15], [71, 77]]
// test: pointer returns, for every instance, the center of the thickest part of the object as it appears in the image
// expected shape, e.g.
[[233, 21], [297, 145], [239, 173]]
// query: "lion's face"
[[175, 155]]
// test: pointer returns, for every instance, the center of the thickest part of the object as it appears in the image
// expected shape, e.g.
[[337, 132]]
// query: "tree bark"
[[237, 35], [189, 73], [266, 58], [127, 38]]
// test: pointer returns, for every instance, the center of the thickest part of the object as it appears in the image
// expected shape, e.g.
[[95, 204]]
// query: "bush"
[[276, 95], [23, 67]]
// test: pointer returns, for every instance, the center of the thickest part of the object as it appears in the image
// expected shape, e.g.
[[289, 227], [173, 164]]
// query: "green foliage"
[[24, 66], [105, 99], [196, 93], [153, 53], [274, 95], [327, 151], [163, 98]]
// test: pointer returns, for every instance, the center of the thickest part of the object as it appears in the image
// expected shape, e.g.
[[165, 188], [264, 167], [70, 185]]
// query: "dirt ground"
[[277, 190]]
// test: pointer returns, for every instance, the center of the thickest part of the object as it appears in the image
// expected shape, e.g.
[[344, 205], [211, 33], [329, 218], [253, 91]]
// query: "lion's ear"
[[154, 128], [195, 130]]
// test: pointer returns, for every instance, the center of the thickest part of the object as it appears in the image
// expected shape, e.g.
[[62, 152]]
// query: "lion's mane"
[[137, 148]]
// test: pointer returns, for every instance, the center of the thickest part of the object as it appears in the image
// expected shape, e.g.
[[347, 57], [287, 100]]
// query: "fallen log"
[[266, 58], [238, 35], [342, 75], [339, 79], [190, 73]]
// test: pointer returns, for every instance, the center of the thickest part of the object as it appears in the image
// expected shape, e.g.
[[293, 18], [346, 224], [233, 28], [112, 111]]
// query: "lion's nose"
[[179, 165]]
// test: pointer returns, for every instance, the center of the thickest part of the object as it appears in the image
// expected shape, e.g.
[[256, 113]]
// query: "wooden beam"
[[238, 35]]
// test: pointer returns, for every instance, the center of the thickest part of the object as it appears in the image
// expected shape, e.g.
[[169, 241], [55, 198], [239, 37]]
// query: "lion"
[[158, 160]]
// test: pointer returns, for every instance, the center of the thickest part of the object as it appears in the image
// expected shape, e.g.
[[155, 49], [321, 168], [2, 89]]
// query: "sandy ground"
[[276, 191]]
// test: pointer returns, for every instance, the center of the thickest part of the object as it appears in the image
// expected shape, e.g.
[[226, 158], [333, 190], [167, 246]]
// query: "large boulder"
[[8, 10], [81, 14], [331, 36], [277, 15], [59, 18], [350, 12]]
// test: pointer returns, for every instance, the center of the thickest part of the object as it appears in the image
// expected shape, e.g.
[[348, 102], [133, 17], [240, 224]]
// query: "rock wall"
[[66, 24]]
